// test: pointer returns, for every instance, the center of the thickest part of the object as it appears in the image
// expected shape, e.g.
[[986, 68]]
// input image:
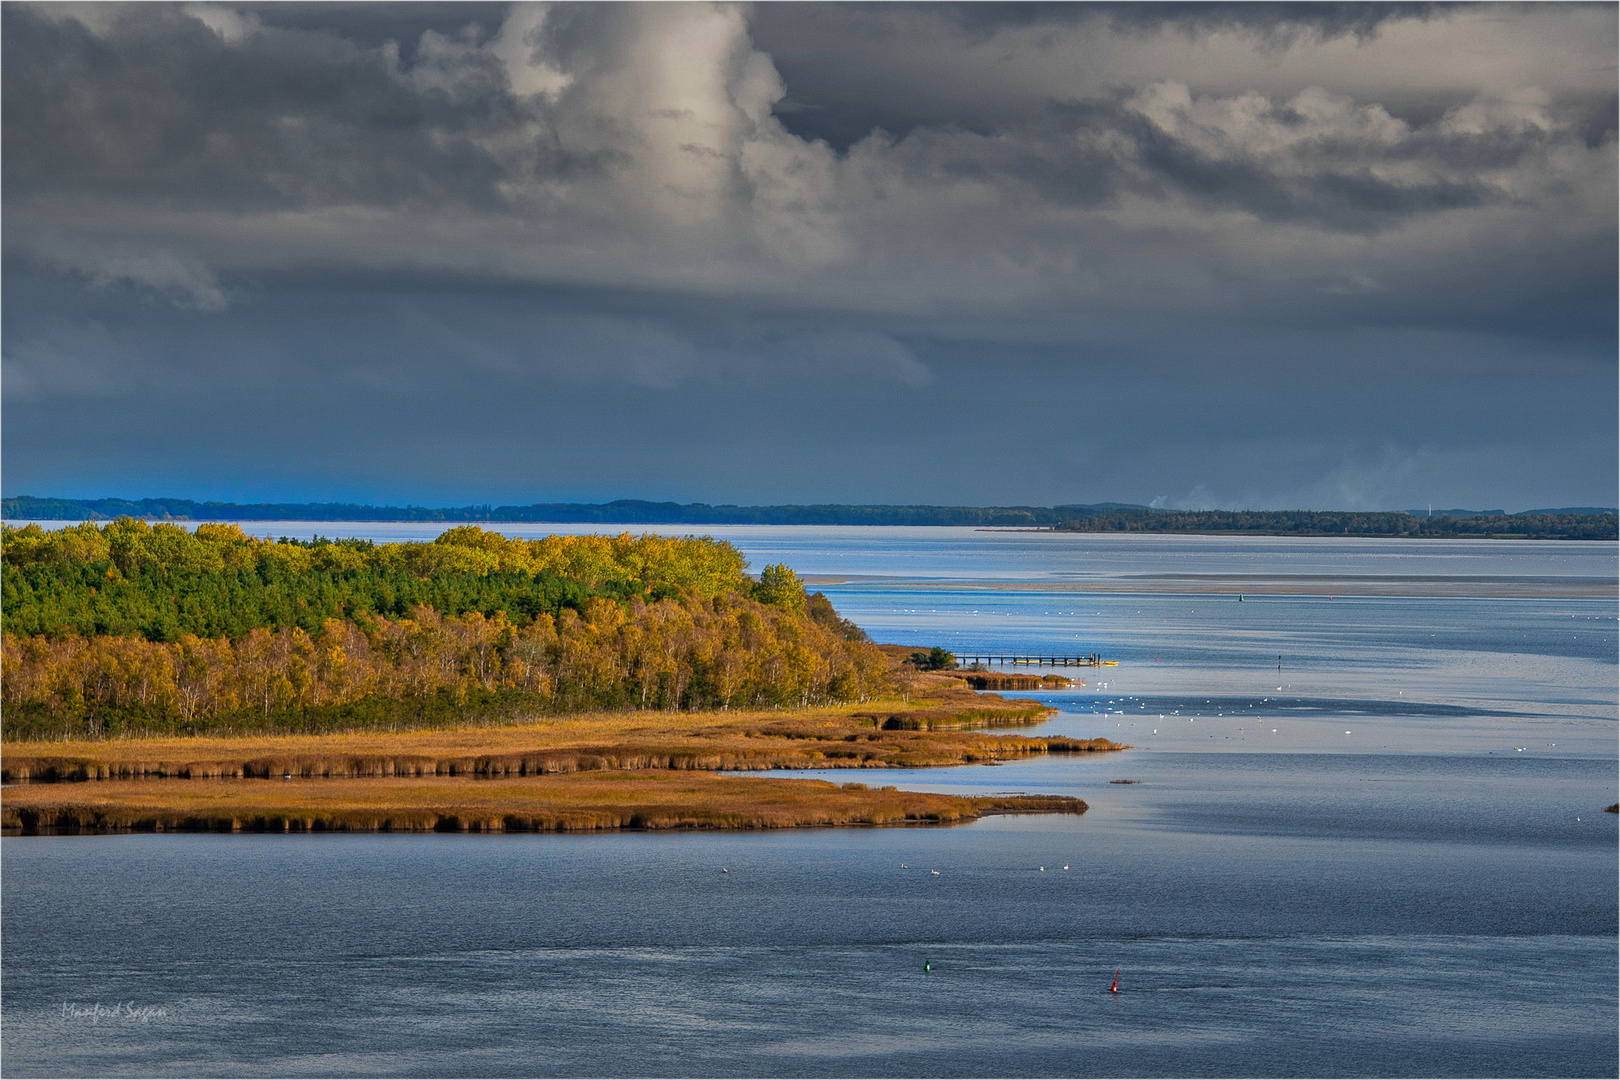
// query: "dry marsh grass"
[[578, 772], [897, 735], [579, 802], [1009, 680]]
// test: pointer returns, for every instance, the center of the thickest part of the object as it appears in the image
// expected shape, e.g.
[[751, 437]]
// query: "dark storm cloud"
[[1326, 19], [822, 229], [1288, 20], [272, 109], [836, 102], [1311, 167], [162, 106], [373, 25]]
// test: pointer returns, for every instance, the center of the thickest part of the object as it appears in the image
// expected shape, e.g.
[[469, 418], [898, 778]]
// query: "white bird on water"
[[723, 870], [934, 872]]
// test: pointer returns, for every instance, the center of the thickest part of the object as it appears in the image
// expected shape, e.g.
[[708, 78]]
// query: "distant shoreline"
[[618, 512], [1593, 523]]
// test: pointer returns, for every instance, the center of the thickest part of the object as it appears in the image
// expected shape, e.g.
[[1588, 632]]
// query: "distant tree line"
[[1569, 523], [1534, 526], [621, 512], [133, 628]]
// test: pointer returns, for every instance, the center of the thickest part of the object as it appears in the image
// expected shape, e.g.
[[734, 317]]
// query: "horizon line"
[[177, 508]]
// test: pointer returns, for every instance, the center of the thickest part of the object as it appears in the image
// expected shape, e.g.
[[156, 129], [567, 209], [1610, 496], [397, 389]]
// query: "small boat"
[[1115, 988]]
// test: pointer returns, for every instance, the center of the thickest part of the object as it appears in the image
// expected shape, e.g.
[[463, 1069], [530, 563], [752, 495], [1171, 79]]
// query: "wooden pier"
[[1009, 659]]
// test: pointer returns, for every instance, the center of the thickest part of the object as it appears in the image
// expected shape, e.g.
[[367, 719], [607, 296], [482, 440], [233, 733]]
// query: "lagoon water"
[[1386, 858]]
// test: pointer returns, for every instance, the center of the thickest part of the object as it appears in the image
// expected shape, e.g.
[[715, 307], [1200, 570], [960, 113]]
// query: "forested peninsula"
[[162, 679], [131, 628]]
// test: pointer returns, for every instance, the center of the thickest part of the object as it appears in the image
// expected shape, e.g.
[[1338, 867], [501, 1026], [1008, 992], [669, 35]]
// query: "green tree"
[[780, 587], [935, 659]]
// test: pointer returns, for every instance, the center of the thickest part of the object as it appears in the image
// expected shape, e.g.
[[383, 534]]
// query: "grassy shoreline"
[[582, 802], [924, 732], [600, 771]]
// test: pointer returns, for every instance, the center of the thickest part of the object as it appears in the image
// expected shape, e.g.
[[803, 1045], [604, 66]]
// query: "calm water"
[[1387, 858], [1005, 555]]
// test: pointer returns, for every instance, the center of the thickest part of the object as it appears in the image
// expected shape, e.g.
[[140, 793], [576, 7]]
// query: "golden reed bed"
[[567, 803], [616, 771]]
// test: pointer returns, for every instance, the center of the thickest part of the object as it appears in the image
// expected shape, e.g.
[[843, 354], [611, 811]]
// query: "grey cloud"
[[1346, 166], [373, 25], [849, 356], [852, 68], [1338, 164], [397, 341], [641, 349], [569, 143], [840, 88], [1284, 21], [63, 359], [158, 104], [178, 279]]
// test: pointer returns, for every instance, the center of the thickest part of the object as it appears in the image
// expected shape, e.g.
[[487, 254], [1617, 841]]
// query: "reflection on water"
[[1386, 858]]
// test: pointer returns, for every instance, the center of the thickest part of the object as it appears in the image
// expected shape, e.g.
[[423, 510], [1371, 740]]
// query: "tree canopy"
[[135, 627]]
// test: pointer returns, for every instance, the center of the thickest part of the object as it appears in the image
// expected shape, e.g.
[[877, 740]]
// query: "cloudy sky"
[[1328, 256]]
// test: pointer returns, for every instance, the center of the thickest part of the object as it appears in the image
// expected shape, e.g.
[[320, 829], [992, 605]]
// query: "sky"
[[1313, 256]]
